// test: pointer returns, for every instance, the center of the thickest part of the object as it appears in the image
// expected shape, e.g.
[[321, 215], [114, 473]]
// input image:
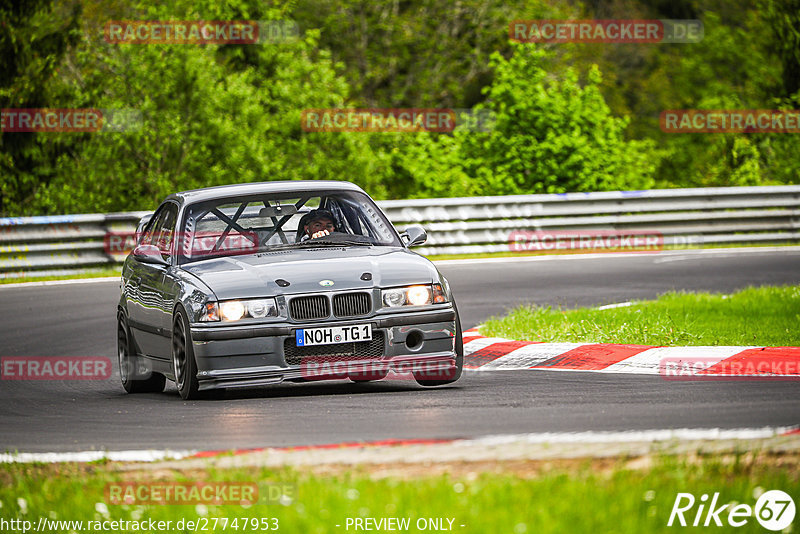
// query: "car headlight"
[[418, 295], [234, 310], [231, 310]]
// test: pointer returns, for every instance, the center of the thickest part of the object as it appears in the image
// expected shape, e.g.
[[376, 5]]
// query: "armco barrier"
[[68, 243], [60, 244]]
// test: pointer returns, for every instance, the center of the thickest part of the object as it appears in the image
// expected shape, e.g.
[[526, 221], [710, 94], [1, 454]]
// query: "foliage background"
[[570, 117]]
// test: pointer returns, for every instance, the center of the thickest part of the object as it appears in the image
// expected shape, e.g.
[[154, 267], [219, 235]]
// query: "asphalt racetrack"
[[79, 320]]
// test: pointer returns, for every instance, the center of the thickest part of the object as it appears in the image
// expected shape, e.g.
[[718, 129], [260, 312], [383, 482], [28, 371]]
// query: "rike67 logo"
[[774, 510]]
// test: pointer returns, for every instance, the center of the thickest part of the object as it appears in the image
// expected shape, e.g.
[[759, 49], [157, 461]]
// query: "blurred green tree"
[[552, 135], [210, 115], [34, 37]]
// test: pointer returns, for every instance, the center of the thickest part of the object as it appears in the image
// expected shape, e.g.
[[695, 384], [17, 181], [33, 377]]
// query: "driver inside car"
[[318, 223]]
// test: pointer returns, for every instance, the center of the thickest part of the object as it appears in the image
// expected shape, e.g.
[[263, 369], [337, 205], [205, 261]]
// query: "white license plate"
[[305, 337]]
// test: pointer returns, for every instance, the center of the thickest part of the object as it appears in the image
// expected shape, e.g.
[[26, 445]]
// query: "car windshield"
[[258, 223]]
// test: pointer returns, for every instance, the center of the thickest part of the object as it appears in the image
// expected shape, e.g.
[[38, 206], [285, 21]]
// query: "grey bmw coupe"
[[255, 284]]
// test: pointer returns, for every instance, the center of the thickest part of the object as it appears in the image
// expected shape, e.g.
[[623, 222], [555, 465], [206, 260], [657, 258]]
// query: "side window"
[[162, 230], [154, 227], [165, 232]]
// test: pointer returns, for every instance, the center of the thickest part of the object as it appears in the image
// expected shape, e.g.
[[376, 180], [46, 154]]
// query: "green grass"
[[578, 499], [766, 316]]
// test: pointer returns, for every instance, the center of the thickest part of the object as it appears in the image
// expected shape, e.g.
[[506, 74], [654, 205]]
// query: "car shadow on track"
[[310, 389]]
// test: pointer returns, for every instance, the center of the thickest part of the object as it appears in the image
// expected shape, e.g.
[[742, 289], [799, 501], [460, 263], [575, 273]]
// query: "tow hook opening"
[[414, 340]]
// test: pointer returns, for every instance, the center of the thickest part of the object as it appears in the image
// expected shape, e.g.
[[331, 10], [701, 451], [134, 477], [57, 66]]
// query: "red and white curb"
[[543, 438], [483, 353]]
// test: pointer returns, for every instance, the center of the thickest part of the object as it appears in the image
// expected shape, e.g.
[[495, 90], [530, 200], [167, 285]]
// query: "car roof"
[[282, 186]]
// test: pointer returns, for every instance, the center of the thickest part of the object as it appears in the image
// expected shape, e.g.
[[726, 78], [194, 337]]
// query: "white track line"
[[485, 442], [613, 306], [633, 435], [93, 456], [62, 282], [658, 256]]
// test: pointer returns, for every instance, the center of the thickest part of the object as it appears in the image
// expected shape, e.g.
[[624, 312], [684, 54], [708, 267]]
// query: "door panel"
[[152, 295]]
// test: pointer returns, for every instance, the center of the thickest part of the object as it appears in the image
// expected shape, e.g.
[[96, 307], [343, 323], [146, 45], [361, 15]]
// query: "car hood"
[[255, 275]]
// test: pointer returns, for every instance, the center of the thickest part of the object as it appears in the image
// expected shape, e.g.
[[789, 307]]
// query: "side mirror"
[[149, 254], [414, 235]]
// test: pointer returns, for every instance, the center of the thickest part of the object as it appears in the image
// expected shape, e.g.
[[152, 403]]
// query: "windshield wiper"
[[313, 244], [317, 242]]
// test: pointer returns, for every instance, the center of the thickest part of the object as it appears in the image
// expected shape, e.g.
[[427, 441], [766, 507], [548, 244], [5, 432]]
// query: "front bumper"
[[248, 356]]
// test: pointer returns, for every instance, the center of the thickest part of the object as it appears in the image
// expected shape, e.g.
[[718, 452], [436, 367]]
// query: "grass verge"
[[586, 496], [755, 316]]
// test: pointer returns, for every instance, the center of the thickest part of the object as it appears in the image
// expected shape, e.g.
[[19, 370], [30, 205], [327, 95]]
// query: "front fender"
[[193, 295]]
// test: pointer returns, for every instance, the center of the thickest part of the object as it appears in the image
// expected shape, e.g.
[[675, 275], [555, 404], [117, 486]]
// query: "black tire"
[[459, 347], [134, 377], [184, 366]]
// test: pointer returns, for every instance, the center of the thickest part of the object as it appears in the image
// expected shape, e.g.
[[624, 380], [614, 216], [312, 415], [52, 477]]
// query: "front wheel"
[[454, 374], [184, 366], [135, 378]]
